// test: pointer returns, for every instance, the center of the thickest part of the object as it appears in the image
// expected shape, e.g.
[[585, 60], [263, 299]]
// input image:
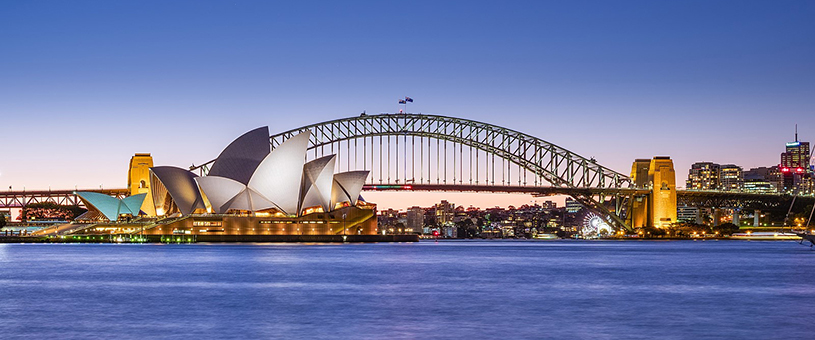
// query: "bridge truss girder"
[[738, 200], [22, 199]]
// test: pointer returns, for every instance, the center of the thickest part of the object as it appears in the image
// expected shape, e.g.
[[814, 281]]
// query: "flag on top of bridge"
[[408, 99], [402, 101]]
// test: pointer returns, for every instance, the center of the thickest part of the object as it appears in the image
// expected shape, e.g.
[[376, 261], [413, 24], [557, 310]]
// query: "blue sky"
[[85, 84]]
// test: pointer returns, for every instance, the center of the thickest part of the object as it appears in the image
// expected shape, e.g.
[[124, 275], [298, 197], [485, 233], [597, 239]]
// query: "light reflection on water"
[[466, 289]]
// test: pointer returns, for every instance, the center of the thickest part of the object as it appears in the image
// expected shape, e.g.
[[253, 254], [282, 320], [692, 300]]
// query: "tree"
[[467, 229], [726, 228], [2, 221], [686, 229], [653, 232], [51, 210]]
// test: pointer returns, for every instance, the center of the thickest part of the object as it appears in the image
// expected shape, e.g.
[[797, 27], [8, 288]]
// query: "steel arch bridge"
[[433, 152]]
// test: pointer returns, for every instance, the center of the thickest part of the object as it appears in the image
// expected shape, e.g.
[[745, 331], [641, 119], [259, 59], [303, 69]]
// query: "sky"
[[86, 84]]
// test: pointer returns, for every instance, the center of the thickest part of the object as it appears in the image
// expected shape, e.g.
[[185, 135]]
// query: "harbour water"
[[446, 290]]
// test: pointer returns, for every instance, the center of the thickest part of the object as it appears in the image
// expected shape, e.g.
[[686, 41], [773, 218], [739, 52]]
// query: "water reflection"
[[470, 289]]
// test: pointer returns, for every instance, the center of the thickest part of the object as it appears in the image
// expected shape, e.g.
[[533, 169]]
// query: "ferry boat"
[[766, 236]]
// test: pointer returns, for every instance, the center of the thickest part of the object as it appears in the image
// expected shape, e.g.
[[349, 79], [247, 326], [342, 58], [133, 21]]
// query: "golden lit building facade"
[[663, 194], [658, 207], [138, 180]]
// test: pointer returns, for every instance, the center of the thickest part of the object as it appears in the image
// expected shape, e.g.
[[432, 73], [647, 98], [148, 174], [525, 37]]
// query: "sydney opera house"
[[250, 193]]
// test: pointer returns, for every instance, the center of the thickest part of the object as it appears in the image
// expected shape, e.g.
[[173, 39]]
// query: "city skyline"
[[723, 82]]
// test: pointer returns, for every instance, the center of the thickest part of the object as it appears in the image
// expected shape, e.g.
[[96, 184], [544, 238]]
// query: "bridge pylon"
[[657, 208], [138, 180]]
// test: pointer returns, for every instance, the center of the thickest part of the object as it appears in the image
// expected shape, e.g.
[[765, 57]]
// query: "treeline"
[[51, 211]]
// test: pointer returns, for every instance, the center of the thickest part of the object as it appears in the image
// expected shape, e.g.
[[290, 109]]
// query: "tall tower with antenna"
[[796, 155], [795, 166]]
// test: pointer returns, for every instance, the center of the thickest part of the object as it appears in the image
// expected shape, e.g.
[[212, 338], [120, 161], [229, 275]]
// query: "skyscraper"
[[796, 155], [795, 166]]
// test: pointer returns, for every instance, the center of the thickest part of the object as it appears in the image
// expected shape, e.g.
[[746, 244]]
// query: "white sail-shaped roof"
[[278, 177], [240, 158], [180, 184], [347, 186], [112, 207], [250, 200], [318, 177], [132, 204], [219, 191]]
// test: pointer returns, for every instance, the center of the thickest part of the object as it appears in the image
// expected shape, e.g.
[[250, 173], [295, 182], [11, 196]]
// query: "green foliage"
[[50, 210], [467, 229], [687, 229], [2, 221], [804, 215], [653, 232], [726, 229]]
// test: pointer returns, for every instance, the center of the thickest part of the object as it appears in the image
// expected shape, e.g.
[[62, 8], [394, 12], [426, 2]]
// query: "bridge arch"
[[555, 164], [535, 160]]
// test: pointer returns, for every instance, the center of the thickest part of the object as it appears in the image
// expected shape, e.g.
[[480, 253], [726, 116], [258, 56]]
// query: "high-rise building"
[[703, 176], [731, 177], [796, 155], [414, 220], [572, 205], [795, 166], [445, 211]]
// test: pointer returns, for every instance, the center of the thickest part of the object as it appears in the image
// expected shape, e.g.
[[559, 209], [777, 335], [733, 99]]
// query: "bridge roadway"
[[511, 189], [722, 199], [696, 198], [22, 198]]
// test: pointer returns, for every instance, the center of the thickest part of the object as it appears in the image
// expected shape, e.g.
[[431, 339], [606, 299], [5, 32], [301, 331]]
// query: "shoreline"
[[339, 239], [215, 239]]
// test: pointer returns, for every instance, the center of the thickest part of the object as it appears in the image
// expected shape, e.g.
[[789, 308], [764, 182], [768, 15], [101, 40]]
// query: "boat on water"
[[766, 236], [805, 236], [541, 236]]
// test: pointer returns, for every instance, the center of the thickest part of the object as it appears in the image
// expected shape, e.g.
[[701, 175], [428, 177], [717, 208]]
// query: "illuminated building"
[[795, 167], [445, 211], [688, 214], [103, 207], [703, 176], [138, 180], [250, 190], [763, 180], [657, 208], [639, 203], [731, 177], [572, 205], [663, 195], [712, 176], [796, 155], [759, 187], [548, 205]]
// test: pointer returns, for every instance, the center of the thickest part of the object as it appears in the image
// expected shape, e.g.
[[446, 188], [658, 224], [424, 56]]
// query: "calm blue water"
[[456, 290]]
